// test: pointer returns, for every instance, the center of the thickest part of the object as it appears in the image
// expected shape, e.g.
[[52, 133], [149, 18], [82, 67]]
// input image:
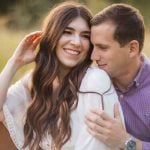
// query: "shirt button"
[[121, 96]]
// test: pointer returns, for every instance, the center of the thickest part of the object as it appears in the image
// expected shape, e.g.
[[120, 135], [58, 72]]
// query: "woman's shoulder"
[[96, 79], [95, 74], [27, 79], [22, 87]]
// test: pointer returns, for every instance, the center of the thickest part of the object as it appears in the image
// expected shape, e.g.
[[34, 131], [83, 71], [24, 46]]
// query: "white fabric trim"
[[9, 122]]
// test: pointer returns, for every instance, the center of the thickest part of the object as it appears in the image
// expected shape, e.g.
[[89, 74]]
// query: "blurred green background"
[[19, 17]]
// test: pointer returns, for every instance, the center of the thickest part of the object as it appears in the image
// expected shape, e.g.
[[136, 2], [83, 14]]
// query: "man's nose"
[[94, 55]]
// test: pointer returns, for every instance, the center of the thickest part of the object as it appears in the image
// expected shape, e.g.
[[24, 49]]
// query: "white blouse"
[[95, 80]]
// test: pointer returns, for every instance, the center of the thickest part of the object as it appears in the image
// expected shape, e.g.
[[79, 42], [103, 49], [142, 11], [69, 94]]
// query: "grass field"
[[8, 42], [10, 39]]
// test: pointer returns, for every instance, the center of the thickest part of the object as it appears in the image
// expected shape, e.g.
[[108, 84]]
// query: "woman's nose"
[[76, 40]]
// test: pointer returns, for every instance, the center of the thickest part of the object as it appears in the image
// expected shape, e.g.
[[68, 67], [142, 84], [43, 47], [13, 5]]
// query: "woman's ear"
[[134, 48]]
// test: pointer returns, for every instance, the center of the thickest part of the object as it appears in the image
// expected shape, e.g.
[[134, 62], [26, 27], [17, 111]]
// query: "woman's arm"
[[24, 54]]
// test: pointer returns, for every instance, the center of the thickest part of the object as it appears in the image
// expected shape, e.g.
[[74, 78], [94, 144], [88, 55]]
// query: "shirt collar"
[[143, 72]]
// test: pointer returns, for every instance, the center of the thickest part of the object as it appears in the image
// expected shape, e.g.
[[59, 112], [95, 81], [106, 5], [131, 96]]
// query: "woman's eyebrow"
[[69, 28], [84, 31]]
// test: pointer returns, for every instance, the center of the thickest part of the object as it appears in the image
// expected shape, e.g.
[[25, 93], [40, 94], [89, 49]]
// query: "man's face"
[[107, 52]]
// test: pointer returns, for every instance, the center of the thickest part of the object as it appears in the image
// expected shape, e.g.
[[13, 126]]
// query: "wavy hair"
[[46, 114]]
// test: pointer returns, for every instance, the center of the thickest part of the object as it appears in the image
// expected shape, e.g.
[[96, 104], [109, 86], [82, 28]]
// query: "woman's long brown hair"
[[47, 115]]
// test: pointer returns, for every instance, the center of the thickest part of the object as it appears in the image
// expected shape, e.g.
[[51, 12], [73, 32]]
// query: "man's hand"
[[107, 129]]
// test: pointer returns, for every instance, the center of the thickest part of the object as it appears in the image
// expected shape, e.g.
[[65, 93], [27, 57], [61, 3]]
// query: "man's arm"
[[109, 129]]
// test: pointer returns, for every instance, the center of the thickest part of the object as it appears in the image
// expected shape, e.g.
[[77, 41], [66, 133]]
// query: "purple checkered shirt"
[[135, 103]]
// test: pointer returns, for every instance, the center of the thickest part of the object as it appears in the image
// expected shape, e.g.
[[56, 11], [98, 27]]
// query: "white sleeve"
[[14, 110], [95, 80]]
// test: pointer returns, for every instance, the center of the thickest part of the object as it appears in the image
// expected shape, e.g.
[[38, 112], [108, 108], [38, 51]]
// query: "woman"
[[46, 108]]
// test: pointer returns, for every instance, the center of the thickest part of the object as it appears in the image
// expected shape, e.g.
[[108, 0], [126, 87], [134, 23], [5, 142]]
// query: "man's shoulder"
[[142, 76]]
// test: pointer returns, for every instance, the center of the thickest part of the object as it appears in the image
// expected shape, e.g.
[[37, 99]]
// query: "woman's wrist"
[[14, 64]]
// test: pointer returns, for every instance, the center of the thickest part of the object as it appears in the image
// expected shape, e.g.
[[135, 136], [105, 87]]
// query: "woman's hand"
[[25, 51]]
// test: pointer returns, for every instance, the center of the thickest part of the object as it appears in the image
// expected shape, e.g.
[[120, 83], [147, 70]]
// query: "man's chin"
[[105, 69]]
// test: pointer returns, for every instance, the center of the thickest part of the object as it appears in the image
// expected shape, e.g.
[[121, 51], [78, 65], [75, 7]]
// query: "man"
[[118, 35]]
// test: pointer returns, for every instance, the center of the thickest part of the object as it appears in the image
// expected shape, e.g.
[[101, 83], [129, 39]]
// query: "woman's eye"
[[86, 36]]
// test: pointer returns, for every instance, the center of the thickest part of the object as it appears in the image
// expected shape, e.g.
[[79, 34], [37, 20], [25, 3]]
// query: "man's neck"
[[122, 83], [126, 78]]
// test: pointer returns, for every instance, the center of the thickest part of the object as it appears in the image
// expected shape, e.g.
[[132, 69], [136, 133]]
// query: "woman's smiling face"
[[74, 44]]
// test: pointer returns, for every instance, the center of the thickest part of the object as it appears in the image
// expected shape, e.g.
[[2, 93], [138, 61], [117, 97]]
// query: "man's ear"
[[134, 48]]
